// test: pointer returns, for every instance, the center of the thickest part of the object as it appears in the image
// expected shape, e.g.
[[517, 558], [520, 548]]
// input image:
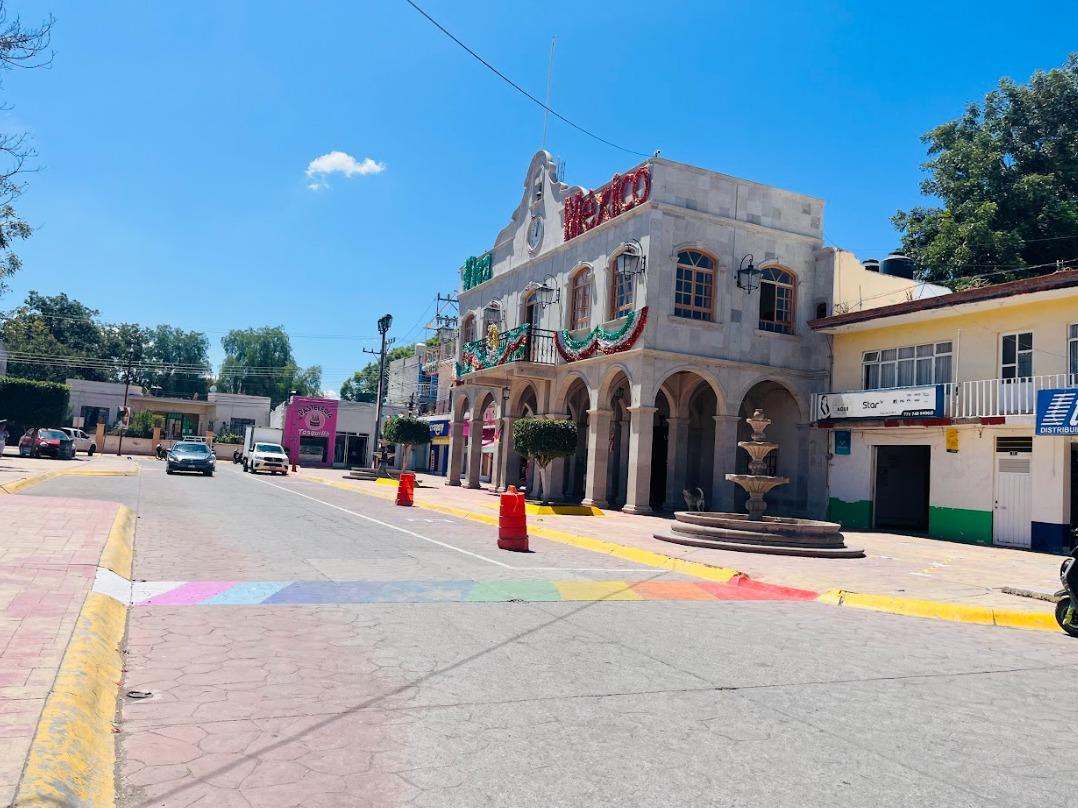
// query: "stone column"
[[598, 455], [641, 431], [475, 452], [456, 453], [505, 453], [723, 463], [677, 453]]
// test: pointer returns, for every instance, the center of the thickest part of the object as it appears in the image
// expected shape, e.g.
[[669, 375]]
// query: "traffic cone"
[[406, 489], [512, 522]]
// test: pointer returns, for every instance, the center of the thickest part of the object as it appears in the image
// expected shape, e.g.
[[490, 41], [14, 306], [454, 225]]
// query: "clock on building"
[[535, 233]]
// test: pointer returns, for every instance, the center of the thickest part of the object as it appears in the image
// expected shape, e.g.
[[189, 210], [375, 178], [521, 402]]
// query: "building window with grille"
[[467, 330], [623, 292], [580, 300], [694, 289], [910, 366], [776, 300]]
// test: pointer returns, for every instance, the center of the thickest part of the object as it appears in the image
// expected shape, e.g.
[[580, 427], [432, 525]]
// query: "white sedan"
[[83, 442]]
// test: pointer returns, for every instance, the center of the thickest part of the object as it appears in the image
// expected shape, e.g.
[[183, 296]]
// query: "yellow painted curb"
[[119, 549], [936, 610], [37, 479], [73, 754]]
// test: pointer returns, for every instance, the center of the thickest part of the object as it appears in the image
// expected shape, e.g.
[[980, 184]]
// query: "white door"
[[1013, 510]]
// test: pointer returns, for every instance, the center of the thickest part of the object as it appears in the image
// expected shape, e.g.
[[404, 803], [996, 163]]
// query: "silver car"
[[83, 442]]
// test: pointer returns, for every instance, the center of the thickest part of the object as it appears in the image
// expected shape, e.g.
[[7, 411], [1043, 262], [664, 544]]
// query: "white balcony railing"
[[993, 398], [990, 398]]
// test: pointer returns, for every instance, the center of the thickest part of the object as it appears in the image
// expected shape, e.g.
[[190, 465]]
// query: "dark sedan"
[[190, 456], [47, 443]]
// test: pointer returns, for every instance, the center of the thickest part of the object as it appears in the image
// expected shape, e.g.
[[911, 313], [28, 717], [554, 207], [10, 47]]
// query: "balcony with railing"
[[522, 344], [982, 398]]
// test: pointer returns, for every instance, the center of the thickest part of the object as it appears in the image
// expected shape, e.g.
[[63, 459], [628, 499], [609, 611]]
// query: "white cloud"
[[331, 394], [338, 162]]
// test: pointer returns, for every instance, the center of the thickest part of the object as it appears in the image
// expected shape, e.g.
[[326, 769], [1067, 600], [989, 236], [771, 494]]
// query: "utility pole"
[[126, 417], [384, 323]]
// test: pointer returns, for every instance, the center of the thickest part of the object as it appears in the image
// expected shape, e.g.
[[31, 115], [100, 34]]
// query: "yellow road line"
[[37, 479], [73, 754]]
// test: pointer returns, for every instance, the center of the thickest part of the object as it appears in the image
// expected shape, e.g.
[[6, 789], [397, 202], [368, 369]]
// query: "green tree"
[[1007, 174], [53, 338], [543, 440], [185, 357], [364, 383], [408, 432], [26, 48], [259, 362]]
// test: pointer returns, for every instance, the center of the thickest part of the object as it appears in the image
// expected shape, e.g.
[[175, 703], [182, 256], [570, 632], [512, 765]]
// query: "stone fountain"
[[753, 532]]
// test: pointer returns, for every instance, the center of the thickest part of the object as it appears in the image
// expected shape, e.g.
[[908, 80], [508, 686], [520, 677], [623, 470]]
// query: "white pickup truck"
[[262, 451]]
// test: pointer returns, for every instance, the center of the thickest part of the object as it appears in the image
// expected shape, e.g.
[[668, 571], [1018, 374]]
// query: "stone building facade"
[[624, 309]]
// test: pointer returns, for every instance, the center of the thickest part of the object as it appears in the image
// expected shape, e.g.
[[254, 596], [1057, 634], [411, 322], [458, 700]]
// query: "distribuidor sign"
[[1057, 412], [904, 402]]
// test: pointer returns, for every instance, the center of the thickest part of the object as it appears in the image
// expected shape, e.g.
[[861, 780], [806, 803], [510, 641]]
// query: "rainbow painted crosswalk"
[[294, 593]]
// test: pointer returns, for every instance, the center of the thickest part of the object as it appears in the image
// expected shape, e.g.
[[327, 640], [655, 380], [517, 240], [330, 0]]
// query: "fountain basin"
[[772, 534]]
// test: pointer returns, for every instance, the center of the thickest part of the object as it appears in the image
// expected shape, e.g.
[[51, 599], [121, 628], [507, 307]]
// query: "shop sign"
[[314, 420], [951, 437], [476, 271], [439, 429], [585, 210], [1057, 412], [842, 441], [902, 402]]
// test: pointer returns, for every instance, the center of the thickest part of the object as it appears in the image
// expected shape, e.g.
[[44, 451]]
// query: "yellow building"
[[957, 415]]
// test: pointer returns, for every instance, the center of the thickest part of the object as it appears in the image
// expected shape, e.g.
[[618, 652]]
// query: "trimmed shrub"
[[408, 431], [26, 403], [543, 440]]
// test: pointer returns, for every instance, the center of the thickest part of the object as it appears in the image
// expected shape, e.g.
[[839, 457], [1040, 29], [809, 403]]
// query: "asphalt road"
[[307, 646]]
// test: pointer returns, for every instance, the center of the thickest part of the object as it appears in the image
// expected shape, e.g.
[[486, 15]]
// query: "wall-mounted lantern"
[[631, 260], [748, 277], [546, 293]]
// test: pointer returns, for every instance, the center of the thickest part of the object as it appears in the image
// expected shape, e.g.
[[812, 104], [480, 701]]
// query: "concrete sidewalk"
[[895, 565], [49, 553]]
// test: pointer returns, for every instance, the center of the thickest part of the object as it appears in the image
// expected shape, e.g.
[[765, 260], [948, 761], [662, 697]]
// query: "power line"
[[520, 89]]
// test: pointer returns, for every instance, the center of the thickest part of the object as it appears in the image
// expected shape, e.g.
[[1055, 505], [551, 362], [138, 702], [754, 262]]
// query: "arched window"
[[467, 329], [622, 289], [580, 300], [694, 289], [776, 300]]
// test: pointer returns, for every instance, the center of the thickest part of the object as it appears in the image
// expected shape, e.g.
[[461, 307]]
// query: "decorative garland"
[[476, 271], [480, 354], [602, 341]]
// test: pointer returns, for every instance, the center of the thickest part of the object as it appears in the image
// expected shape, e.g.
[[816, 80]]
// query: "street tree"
[[20, 47], [51, 338], [185, 357], [407, 431], [1007, 175], [259, 362], [363, 384], [544, 440]]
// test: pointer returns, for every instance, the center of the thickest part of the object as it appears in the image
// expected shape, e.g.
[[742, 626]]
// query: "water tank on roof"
[[872, 265], [898, 265]]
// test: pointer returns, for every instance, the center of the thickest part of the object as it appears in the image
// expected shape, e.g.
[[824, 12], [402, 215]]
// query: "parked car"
[[40, 442], [83, 442], [190, 456], [269, 457]]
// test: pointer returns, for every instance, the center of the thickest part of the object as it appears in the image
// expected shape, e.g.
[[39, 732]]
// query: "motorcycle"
[[1067, 597]]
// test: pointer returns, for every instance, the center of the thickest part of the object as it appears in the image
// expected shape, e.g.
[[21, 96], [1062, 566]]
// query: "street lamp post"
[[384, 323]]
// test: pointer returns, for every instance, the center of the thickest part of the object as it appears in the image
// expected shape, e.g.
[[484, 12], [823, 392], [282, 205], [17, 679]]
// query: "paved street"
[[309, 646]]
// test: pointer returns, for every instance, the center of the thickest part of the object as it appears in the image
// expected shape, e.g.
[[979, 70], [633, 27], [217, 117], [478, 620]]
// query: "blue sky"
[[173, 139]]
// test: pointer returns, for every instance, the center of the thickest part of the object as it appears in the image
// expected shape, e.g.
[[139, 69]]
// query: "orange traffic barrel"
[[512, 521], [406, 488]]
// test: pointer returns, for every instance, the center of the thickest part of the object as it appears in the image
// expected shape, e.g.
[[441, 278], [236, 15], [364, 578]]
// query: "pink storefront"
[[310, 426]]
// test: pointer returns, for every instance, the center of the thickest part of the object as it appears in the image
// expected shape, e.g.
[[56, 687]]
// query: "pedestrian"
[[3, 437]]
